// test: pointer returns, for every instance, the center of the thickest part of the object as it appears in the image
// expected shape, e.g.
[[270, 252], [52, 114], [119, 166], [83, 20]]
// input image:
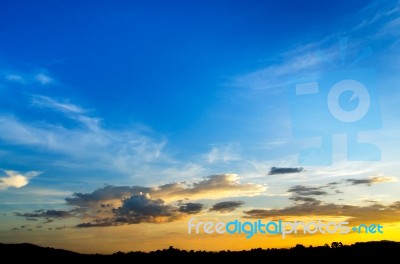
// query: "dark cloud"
[[301, 190], [370, 201], [101, 222], [394, 206], [89, 224], [369, 181], [333, 183], [191, 208], [357, 214], [137, 209], [277, 170], [45, 214], [118, 205], [303, 199], [332, 186], [360, 181], [106, 193], [141, 208], [227, 206]]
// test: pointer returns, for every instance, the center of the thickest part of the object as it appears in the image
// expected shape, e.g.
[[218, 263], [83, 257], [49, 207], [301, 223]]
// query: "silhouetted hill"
[[382, 250], [26, 249]]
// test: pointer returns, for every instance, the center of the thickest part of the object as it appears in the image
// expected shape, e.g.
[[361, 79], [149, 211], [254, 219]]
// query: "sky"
[[122, 120]]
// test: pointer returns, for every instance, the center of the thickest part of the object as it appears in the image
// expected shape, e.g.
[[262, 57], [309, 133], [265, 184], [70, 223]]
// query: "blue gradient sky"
[[148, 93]]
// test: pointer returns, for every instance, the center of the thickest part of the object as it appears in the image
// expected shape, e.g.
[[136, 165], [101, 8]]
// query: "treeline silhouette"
[[382, 250]]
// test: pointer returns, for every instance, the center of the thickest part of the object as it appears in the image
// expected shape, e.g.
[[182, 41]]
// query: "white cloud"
[[124, 151], [43, 192], [392, 27], [28, 77], [15, 78], [224, 153], [71, 111], [21, 134], [276, 77], [189, 170], [43, 78], [387, 16], [47, 102], [16, 179], [88, 144], [308, 60]]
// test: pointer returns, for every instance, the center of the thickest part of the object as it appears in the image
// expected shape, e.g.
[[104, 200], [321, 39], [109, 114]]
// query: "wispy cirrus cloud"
[[47, 102], [380, 23], [121, 150], [224, 153], [308, 60], [78, 134], [25, 78]]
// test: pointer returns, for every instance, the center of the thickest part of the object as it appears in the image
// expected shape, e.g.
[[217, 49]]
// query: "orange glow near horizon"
[[151, 237]]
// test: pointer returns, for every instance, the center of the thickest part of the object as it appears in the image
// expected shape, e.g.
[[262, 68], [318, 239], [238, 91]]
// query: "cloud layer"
[[358, 214], [307, 202], [118, 205], [214, 186]]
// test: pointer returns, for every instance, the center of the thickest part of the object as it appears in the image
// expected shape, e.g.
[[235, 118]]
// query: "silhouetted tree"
[[299, 246], [336, 244]]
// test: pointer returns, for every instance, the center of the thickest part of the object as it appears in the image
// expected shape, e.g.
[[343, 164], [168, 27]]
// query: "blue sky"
[[130, 93]]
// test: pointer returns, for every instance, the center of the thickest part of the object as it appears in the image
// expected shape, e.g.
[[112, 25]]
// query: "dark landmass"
[[381, 250]]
